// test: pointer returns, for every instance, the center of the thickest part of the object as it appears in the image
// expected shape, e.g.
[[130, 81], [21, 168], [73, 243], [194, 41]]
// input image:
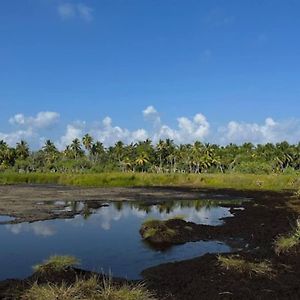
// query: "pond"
[[107, 238]]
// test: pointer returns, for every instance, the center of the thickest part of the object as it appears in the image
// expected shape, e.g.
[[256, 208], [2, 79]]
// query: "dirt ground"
[[38, 202], [265, 217]]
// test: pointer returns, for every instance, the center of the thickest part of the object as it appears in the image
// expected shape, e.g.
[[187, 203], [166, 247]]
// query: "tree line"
[[87, 155]]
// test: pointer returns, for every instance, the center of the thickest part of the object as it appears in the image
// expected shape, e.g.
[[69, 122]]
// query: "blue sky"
[[234, 62]]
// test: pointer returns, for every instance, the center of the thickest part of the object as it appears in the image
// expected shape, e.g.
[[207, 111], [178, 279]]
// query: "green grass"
[[88, 289], [158, 229], [56, 263], [242, 266], [286, 243], [236, 181]]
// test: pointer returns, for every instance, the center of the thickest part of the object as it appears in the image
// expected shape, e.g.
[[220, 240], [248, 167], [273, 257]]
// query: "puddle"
[[106, 239]]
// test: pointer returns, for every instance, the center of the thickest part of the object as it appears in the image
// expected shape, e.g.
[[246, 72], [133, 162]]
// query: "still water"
[[106, 239]]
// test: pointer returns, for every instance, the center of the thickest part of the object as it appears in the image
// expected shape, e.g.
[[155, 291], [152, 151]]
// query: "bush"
[[254, 167]]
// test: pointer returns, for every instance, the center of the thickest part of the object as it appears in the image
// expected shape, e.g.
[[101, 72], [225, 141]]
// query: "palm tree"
[[68, 152], [49, 147], [22, 150], [87, 142], [161, 149], [142, 160], [97, 150], [117, 152], [7, 156], [76, 148], [50, 152], [127, 164], [3, 145]]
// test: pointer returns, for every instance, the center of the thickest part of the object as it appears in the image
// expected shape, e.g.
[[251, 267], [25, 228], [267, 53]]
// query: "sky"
[[217, 71]]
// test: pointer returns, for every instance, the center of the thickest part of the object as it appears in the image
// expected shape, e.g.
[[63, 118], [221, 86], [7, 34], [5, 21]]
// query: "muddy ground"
[[265, 217], [39, 202]]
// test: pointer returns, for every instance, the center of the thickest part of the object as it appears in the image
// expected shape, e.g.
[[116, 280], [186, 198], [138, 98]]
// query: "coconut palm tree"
[[142, 160], [22, 150], [76, 148], [87, 142], [97, 150], [49, 147]]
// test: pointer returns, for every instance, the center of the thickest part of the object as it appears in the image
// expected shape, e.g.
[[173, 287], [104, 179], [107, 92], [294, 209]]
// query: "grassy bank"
[[235, 181]]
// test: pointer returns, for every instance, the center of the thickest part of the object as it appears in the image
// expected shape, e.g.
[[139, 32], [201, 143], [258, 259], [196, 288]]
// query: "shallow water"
[[6, 218], [106, 238]]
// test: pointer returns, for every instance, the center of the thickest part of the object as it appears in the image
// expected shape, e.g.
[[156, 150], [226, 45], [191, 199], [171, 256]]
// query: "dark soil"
[[262, 220]]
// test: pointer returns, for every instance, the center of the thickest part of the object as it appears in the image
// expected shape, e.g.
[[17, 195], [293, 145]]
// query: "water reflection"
[[38, 228], [6, 218], [106, 237]]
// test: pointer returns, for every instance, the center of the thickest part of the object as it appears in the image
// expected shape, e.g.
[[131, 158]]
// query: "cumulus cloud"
[[270, 131], [187, 130], [43, 119], [152, 115], [13, 137], [72, 10], [28, 128], [73, 131], [109, 134]]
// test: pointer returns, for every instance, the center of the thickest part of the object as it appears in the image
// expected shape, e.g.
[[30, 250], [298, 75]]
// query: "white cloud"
[[13, 137], [72, 10], [30, 127], [271, 131], [109, 134], [43, 119], [73, 131], [151, 114], [187, 130], [140, 135]]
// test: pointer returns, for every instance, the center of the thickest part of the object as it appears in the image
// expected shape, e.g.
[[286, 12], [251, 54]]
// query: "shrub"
[[254, 167]]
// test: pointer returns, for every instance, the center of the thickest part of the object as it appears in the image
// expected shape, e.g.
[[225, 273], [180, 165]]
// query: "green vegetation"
[[235, 181], [56, 264], [88, 163], [88, 289], [89, 156], [239, 265], [158, 231], [286, 243]]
